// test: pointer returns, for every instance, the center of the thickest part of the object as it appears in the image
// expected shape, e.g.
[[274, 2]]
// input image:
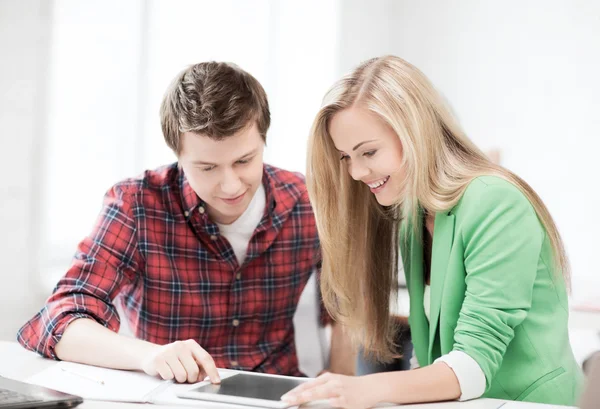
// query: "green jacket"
[[494, 296]]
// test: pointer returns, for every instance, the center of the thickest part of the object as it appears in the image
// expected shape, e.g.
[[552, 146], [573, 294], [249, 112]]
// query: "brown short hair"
[[215, 99]]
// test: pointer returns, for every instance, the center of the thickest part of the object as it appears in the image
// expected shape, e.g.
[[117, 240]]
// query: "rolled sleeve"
[[104, 263], [502, 240], [468, 373]]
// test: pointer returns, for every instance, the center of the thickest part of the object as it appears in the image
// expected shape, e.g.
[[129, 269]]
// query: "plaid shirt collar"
[[280, 202]]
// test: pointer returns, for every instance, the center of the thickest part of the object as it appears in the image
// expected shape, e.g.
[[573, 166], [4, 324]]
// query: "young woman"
[[390, 172]]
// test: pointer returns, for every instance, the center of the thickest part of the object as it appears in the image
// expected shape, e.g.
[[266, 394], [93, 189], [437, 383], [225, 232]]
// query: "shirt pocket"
[[538, 383]]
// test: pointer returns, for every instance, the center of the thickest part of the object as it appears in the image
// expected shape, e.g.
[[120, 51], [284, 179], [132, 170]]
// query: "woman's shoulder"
[[492, 187], [496, 205], [486, 193]]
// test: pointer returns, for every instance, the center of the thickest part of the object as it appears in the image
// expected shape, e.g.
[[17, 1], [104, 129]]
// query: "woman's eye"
[[344, 157], [368, 154], [208, 169], [243, 161]]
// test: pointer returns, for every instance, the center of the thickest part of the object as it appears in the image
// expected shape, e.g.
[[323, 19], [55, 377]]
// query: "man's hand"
[[184, 361]]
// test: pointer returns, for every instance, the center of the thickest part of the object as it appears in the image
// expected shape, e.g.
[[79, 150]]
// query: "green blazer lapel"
[[413, 267], [443, 234]]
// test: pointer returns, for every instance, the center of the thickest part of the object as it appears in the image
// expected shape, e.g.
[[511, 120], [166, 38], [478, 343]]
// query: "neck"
[[429, 223]]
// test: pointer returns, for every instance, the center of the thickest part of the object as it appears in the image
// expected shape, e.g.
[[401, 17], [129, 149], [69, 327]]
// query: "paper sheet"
[[95, 383]]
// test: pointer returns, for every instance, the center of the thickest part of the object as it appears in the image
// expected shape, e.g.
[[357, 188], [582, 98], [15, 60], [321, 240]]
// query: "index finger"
[[207, 362], [321, 380]]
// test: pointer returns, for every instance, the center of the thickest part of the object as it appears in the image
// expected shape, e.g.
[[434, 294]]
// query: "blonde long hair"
[[359, 238]]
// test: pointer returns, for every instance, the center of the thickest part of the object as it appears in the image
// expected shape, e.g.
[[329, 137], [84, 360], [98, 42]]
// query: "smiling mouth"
[[378, 184], [233, 199]]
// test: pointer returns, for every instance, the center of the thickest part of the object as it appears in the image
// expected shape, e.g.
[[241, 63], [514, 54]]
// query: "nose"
[[231, 183], [358, 171]]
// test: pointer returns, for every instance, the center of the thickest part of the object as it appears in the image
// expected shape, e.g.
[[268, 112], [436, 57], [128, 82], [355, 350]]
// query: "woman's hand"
[[351, 392]]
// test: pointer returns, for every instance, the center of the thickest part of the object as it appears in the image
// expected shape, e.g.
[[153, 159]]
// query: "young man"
[[209, 255]]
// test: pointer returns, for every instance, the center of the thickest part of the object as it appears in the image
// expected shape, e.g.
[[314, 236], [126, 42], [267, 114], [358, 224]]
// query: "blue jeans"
[[366, 365]]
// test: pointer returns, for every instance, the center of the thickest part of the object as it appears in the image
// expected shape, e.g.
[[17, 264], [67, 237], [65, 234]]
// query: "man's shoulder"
[[288, 182], [151, 183], [282, 176]]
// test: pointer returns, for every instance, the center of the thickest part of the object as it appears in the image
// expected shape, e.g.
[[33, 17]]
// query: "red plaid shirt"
[[179, 279]]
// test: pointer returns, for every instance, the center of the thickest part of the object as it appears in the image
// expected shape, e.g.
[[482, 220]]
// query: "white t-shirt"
[[240, 231], [401, 305]]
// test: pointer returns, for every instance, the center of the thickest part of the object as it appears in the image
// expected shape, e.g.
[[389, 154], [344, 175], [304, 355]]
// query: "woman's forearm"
[[432, 383]]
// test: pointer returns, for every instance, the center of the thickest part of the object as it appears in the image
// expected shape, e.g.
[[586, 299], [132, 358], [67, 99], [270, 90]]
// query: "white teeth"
[[377, 184]]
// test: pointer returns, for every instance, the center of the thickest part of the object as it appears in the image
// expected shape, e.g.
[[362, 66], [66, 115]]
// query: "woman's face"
[[371, 151]]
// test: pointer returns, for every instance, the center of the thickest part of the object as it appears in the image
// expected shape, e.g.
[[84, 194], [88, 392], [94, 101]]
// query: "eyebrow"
[[200, 162], [358, 145]]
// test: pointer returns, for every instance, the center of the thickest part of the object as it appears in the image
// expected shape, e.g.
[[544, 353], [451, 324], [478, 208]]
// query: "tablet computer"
[[246, 388]]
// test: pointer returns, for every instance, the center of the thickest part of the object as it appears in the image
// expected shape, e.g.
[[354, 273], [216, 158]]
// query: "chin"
[[384, 201]]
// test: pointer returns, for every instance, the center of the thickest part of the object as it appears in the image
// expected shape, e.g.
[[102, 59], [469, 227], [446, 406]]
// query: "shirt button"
[[186, 213], [201, 209], [213, 237], [234, 363], [235, 323], [238, 276]]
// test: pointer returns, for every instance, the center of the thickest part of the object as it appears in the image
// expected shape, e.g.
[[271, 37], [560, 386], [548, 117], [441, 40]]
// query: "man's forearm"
[[342, 356], [85, 341]]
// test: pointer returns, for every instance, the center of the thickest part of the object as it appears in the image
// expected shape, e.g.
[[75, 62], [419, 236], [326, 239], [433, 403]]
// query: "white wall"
[[366, 30], [522, 76], [24, 29], [91, 118]]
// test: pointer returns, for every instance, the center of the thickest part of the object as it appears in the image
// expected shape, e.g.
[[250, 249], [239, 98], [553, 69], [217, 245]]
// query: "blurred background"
[[81, 83]]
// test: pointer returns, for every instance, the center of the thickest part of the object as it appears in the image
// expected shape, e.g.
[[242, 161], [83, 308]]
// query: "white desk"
[[18, 363]]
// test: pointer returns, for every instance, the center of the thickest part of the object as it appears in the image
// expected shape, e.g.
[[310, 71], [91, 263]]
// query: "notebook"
[[95, 383]]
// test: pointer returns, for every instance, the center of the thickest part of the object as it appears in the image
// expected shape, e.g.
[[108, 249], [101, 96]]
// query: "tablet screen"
[[252, 386]]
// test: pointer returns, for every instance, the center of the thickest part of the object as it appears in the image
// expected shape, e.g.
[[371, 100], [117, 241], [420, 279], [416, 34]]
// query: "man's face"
[[225, 174]]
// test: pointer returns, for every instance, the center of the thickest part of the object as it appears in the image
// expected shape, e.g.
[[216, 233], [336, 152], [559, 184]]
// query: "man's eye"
[[208, 169]]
